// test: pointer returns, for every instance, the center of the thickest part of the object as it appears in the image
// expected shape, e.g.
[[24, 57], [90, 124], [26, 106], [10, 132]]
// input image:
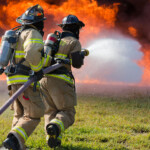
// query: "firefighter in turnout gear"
[[27, 62], [58, 87]]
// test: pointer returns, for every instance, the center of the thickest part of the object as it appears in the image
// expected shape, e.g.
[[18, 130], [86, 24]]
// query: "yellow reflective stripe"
[[61, 56], [19, 79], [38, 84], [21, 132], [22, 81], [62, 76], [19, 51], [18, 76], [71, 61], [38, 67], [19, 54], [33, 41], [58, 122], [47, 138], [45, 61], [59, 137], [16, 81]]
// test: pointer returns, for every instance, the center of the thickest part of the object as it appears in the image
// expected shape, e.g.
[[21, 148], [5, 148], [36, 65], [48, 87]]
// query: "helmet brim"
[[27, 22], [80, 24]]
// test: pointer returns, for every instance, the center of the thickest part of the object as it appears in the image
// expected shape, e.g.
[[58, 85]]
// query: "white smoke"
[[112, 59]]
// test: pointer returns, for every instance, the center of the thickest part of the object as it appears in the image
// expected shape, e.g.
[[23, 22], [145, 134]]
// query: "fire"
[[133, 31], [95, 17], [145, 62], [97, 82]]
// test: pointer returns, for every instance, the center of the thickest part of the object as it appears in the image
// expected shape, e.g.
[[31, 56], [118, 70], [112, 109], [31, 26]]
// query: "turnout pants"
[[28, 108], [59, 99]]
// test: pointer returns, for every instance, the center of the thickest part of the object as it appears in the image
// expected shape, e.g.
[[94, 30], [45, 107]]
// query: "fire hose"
[[26, 85], [84, 52]]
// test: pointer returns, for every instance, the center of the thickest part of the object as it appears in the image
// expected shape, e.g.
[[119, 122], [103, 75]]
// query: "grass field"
[[101, 124]]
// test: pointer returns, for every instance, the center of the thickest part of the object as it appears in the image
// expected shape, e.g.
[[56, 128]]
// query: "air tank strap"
[[19, 69], [65, 34]]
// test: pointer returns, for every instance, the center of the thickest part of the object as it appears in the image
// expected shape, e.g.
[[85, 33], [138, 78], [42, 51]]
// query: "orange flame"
[[96, 18], [145, 62], [133, 31]]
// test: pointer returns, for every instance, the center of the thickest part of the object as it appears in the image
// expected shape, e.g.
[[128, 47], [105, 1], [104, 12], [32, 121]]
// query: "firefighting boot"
[[11, 143], [53, 133], [59, 140]]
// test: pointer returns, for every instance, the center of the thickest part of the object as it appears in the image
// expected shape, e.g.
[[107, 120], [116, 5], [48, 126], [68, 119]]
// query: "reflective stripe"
[[61, 56], [47, 138], [71, 61], [45, 60], [19, 79], [59, 137], [33, 41], [58, 122], [21, 132], [62, 43], [36, 68], [61, 76], [19, 54]]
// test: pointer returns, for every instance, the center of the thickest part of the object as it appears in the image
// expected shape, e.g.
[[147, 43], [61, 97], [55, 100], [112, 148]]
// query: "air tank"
[[6, 49], [50, 40]]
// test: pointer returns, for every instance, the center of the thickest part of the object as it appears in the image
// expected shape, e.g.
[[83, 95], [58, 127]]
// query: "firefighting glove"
[[77, 59]]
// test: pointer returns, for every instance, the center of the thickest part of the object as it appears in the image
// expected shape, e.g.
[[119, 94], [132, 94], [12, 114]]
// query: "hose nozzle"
[[85, 52]]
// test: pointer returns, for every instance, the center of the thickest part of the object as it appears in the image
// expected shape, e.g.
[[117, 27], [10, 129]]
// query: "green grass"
[[101, 124]]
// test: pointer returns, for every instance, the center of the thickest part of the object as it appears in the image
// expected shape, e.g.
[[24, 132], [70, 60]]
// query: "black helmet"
[[71, 20], [32, 15]]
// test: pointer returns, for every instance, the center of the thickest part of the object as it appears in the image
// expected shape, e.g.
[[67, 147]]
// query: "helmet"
[[71, 20], [32, 15]]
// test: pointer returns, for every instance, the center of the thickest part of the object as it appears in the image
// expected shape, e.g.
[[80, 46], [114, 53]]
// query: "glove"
[[38, 75]]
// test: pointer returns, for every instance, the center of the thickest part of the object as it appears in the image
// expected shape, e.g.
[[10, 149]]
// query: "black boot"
[[59, 140], [53, 133], [11, 143]]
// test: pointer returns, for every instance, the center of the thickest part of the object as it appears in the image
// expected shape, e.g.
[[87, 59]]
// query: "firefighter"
[[28, 107], [58, 86]]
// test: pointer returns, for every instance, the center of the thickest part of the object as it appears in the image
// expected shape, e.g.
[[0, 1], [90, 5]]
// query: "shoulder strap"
[[65, 34]]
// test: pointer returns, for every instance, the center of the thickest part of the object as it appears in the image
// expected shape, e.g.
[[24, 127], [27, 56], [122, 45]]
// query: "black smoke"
[[135, 13], [55, 2]]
